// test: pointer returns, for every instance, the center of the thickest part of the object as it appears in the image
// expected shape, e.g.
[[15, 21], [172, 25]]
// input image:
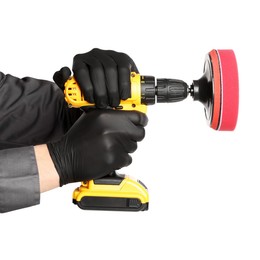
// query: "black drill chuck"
[[171, 90], [167, 90]]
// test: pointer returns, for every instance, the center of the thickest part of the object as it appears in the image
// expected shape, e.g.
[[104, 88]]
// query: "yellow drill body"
[[75, 98]]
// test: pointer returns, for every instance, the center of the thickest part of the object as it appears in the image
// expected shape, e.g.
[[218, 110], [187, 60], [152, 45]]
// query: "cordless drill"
[[217, 90]]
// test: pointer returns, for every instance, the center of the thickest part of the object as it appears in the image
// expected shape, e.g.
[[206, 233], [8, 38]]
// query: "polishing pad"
[[225, 86]]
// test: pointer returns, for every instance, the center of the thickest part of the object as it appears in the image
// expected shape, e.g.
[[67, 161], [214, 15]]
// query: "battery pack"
[[116, 192]]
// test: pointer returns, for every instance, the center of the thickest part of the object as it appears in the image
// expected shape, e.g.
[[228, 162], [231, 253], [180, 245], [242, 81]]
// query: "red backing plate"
[[225, 89], [217, 91]]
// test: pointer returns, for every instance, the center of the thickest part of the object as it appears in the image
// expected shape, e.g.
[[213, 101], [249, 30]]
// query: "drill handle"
[[75, 98]]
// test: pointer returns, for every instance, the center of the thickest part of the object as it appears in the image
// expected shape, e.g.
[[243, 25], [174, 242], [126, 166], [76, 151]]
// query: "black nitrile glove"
[[103, 76], [97, 144]]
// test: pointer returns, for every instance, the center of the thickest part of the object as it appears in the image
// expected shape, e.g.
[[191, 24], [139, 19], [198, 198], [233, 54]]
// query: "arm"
[[48, 176], [33, 112], [19, 179], [24, 173]]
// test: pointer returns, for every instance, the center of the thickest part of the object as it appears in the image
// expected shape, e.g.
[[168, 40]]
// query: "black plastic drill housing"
[[171, 90], [166, 91]]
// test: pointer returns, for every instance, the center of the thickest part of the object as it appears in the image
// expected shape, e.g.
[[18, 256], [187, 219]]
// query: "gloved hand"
[[97, 144], [103, 76]]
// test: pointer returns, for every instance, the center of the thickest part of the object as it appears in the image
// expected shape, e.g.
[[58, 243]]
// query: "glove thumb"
[[61, 76]]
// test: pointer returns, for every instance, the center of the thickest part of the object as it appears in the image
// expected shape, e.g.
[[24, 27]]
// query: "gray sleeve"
[[19, 179]]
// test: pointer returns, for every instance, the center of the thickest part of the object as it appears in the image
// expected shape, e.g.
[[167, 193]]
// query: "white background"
[[204, 185]]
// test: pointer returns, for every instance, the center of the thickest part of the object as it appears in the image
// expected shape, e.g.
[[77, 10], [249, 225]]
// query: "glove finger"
[[131, 146], [134, 67], [61, 76], [138, 134], [121, 57], [111, 78], [128, 145], [125, 161], [100, 91], [132, 129], [124, 82], [82, 77], [128, 160], [136, 117], [95, 78], [81, 70], [124, 65]]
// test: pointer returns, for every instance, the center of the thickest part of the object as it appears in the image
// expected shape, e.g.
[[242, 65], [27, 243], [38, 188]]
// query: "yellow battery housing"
[[113, 192]]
